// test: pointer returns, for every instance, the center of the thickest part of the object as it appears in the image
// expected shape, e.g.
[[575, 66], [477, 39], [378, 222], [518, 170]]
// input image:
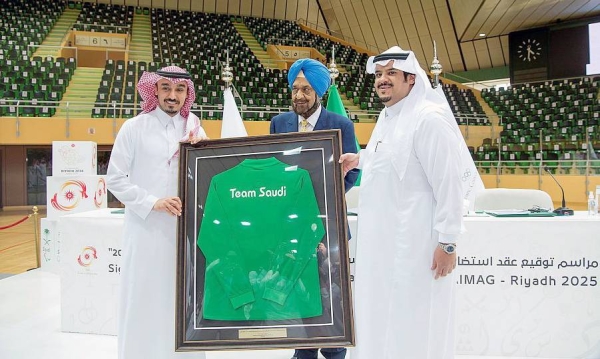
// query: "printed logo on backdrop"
[[72, 157], [46, 245], [87, 257], [70, 194], [100, 194]]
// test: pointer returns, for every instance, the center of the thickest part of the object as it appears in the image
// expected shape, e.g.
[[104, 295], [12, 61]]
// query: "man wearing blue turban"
[[315, 72], [309, 80]]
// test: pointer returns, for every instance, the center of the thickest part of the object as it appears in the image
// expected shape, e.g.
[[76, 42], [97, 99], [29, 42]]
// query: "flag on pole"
[[335, 105], [232, 125]]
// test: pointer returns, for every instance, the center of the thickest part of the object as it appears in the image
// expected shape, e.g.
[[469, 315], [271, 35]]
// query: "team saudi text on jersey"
[[259, 234]]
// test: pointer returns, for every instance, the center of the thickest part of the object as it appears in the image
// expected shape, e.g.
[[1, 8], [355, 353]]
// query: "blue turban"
[[315, 72]]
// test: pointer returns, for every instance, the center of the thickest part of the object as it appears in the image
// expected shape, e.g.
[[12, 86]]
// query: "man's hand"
[[349, 161], [193, 139], [443, 263], [321, 248], [171, 205]]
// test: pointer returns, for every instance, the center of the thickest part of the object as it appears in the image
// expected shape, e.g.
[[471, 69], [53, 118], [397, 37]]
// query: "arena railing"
[[467, 82], [70, 107], [587, 167], [73, 48], [583, 161], [55, 47], [303, 43]]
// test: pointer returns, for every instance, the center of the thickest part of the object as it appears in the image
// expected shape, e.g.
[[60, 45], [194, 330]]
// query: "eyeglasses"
[[306, 91]]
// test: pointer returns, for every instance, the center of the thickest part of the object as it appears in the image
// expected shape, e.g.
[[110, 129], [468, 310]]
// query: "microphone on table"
[[562, 211]]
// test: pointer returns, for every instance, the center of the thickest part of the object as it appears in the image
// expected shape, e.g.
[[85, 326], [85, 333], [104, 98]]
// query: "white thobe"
[[143, 168], [410, 199]]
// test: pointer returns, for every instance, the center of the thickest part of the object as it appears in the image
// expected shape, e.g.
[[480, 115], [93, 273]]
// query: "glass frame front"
[[296, 173]]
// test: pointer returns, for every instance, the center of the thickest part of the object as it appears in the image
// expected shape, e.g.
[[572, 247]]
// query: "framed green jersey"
[[262, 244]]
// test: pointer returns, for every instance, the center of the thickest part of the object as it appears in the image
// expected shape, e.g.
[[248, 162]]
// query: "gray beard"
[[310, 111]]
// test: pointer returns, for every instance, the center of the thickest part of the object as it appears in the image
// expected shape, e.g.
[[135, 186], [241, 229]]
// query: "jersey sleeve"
[[291, 256], [219, 245]]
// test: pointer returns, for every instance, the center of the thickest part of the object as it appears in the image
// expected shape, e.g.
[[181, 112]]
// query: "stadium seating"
[[555, 122], [45, 81], [23, 24], [190, 44], [104, 18]]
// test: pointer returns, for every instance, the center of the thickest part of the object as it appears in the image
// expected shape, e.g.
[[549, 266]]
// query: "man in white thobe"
[[409, 218], [143, 175]]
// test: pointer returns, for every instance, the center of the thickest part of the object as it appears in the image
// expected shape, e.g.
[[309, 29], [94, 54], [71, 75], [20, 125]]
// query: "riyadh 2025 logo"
[[100, 194], [72, 192], [87, 257]]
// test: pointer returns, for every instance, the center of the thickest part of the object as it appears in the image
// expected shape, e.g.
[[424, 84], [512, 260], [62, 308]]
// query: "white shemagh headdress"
[[421, 100], [404, 61], [147, 88]]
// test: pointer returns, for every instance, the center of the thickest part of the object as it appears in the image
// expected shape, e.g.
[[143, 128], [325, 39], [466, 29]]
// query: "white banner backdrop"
[[526, 287], [529, 287], [90, 271]]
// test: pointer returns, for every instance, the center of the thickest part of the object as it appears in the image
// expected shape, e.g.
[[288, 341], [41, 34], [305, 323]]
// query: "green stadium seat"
[[46, 111], [98, 112]]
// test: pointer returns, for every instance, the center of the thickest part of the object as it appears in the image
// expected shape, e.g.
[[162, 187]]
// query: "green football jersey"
[[259, 234]]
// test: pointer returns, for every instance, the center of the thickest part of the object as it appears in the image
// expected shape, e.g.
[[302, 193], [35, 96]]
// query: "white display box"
[[68, 195], [74, 158], [90, 271], [49, 246]]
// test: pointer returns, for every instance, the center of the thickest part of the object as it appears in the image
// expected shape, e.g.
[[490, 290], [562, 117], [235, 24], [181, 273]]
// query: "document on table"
[[518, 213]]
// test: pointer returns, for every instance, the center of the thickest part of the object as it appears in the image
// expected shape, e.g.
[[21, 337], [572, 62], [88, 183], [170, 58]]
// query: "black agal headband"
[[174, 75], [391, 56]]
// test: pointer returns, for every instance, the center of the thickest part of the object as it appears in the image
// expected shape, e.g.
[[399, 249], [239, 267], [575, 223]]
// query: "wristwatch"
[[448, 247]]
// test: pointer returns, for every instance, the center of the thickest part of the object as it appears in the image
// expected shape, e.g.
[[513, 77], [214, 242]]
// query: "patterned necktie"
[[304, 125]]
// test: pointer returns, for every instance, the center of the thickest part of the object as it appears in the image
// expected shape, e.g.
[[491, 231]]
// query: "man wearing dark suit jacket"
[[309, 80]]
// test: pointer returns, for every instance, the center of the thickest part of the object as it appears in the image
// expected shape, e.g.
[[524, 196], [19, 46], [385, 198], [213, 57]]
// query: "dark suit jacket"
[[288, 122]]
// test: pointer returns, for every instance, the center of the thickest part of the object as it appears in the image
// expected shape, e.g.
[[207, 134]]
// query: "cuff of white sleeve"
[[448, 238], [147, 206], [361, 158]]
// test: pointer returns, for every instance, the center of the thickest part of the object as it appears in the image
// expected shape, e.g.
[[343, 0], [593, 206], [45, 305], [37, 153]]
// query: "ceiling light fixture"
[[482, 35]]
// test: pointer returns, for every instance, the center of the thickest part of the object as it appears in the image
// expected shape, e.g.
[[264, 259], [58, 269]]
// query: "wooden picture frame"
[[262, 244]]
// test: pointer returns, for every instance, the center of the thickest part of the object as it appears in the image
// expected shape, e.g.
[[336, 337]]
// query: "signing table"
[[529, 287], [526, 287]]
